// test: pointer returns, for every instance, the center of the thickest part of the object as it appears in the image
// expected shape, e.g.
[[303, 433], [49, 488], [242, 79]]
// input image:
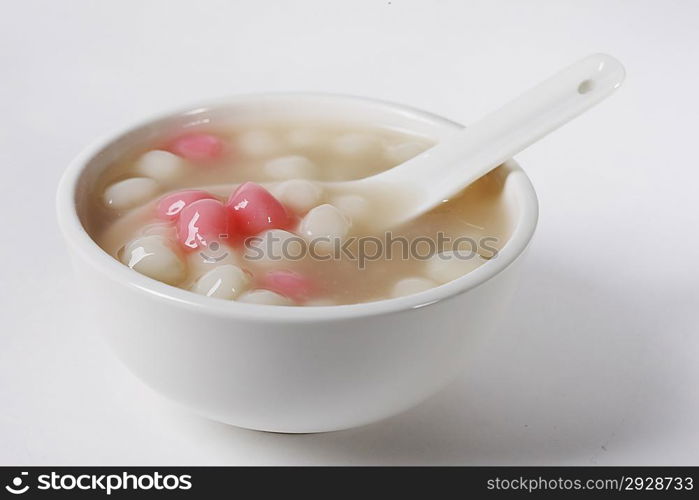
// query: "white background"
[[598, 360]]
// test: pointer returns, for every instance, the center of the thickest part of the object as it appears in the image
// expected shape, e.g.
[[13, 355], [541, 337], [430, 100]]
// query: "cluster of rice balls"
[[194, 226]]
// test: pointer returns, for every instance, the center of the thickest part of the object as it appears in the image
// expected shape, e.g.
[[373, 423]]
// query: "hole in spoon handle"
[[597, 74], [586, 86]]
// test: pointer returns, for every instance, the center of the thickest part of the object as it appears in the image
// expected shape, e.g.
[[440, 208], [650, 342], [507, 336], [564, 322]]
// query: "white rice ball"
[[355, 144], [291, 167], [409, 286], [302, 138], [323, 226], [266, 297], [324, 220], [223, 282], [160, 165], [130, 193], [298, 195], [153, 256], [448, 266], [258, 143], [355, 207], [402, 152]]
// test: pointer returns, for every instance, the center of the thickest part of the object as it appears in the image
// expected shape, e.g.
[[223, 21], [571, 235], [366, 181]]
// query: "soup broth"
[[239, 213]]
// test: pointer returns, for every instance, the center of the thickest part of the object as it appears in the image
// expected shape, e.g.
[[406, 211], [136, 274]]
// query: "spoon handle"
[[458, 161]]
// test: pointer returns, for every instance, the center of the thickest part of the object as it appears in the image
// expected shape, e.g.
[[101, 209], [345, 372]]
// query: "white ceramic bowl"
[[290, 369]]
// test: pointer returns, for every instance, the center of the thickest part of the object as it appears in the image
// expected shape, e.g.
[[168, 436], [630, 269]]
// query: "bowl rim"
[[89, 252]]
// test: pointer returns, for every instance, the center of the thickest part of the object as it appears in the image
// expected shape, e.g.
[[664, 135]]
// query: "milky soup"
[[240, 213]]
